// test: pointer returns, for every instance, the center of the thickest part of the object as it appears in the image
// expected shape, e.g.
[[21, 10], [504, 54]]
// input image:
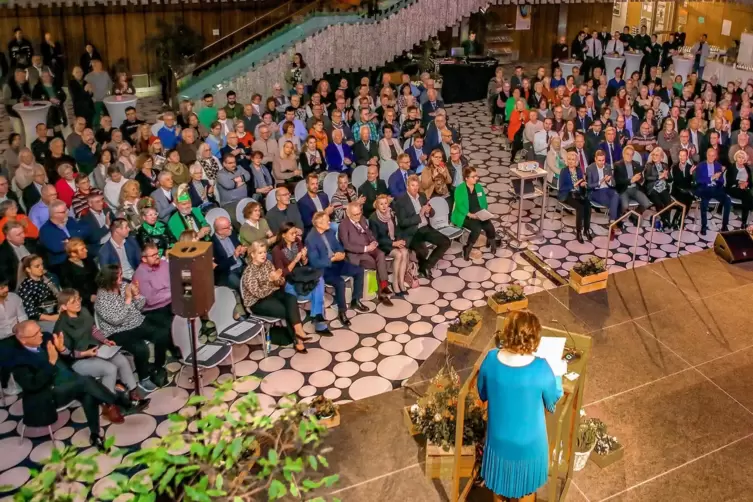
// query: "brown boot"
[[112, 413]]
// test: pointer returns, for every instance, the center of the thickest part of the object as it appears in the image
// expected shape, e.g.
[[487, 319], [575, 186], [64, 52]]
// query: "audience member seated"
[[362, 248], [658, 178], [39, 213], [228, 255], [709, 184], [82, 340], [24, 174], [457, 163], [383, 225], [436, 179], [5, 192], [254, 227], [737, 184], [152, 230], [389, 146], [127, 208], [327, 254], [11, 313], [153, 278], [56, 231], [9, 212], [48, 383], [344, 195], [600, 181], [413, 212], [366, 150], [338, 155], [573, 192], [80, 202], [200, 190], [177, 168], [126, 160], [208, 162], [146, 174], [311, 159], [682, 185], [470, 198], [113, 186], [416, 155], [302, 280], [629, 177], [398, 181], [283, 211], [14, 248], [264, 294], [285, 165], [261, 182], [313, 202], [231, 181], [433, 136], [118, 309], [371, 188], [79, 271], [37, 291], [188, 217], [121, 250], [236, 150], [99, 174], [164, 195]]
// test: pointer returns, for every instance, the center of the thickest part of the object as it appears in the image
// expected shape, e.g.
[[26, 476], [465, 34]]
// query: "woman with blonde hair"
[[130, 194], [208, 162], [25, 171], [157, 152], [126, 160], [658, 177], [737, 184], [555, 159], [518, 387], [383, 225], [143, 136]]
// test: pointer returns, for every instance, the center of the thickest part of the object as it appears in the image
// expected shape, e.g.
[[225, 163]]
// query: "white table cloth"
[[725, 73], [682, 67], [632, 63], [567, 67], [32, 113], [116, 106], [612, 63]]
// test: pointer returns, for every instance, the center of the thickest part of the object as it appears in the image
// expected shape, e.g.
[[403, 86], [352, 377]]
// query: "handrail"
[[653, 225], [613, 225], [255, 20]]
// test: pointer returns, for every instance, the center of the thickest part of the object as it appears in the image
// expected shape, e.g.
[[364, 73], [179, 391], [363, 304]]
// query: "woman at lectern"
[[518, 386]]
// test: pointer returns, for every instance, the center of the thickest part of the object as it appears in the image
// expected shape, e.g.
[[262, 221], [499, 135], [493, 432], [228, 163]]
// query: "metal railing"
[[260, 27], [653, 227]]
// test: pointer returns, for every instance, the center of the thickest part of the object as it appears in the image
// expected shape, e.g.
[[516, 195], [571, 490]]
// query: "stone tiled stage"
[[670, 373]]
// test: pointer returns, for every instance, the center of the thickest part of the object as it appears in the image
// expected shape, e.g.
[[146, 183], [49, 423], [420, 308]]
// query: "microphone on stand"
[[571, 354]]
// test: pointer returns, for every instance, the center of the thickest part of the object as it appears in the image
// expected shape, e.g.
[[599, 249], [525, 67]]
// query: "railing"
[[258, 28]]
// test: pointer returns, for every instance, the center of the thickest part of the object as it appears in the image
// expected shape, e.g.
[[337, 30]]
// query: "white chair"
[[271, 200], [208, 355], [240, 207], [267, 322], [441, 219], [19, 193], [329, 186], [637, 158], [359, 175], [300, 190], [215, 213], [221, 313], [386, 168]]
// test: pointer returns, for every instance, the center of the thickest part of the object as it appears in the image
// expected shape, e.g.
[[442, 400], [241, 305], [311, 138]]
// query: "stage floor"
[[670, 373]]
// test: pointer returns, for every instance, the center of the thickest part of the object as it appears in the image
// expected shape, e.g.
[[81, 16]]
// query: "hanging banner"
[[523, 17]]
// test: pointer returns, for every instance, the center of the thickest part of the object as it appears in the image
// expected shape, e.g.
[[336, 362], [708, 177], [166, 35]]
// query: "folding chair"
[[386, 168], [441, 219], [208, 355], [271, 200], [329, 186], [240, 207], [215, 213], [359, 176]]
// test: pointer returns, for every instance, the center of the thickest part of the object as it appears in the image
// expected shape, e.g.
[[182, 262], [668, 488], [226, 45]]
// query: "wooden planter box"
[[439, 463], [501, 308], [605, 460], [461, 338], [332, 422], [412, 429], [588, 283]]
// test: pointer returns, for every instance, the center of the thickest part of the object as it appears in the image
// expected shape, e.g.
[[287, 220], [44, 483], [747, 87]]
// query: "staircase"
[[330, 42]]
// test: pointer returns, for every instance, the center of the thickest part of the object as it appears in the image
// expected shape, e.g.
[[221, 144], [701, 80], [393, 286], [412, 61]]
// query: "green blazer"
[[177, 224], [460, 209]]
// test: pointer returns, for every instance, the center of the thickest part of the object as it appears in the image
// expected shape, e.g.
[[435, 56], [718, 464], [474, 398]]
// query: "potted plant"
[[434, 417], [508, 299], [325, 411], [607, 449], [585, 442], [237, 453], [463, 330], [589, 275]]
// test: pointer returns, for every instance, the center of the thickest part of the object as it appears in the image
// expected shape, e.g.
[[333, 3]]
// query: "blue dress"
[[516, 455]]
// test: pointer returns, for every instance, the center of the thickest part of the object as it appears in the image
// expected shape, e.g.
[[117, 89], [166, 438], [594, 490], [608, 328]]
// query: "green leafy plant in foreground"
[[236, 454]]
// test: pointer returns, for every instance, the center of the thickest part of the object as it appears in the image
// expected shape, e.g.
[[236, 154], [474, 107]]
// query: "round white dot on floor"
[[397, 327], [342, 356], [397, 367], [347, 369], [452, 270], [332, 393], [367, 324], [441, 303], [315, 360], [487, 284], [390, 348], [448, 284], [422, 295], [365, 354], [384, 337], [461, 304], [413, 317], [404, 338], [450, 296], [421, 328], [369, 341], [451, 314], [399, 309], [341, 340], [322, 378], [342, 383], [437, 319], [368, 367], [271, 363], [473, 295], [369, 386], [307, 390], [282, 382], [427, 310]]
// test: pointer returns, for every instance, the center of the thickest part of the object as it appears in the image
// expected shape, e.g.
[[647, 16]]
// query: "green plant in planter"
[[606, 444], [323, 407], [512, 293], [586, 436], [466, 322], [591, 266], [237, 454]]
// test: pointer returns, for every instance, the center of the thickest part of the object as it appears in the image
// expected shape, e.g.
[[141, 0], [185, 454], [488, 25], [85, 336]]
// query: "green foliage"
[[323, 407], [466, 322], [238, 454], [586, 435], [174, 45], [512, 293], [605, 444], [591, 266]]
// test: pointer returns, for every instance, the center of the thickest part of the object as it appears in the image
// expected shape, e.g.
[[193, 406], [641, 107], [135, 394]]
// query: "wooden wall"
[[713, 14], [120, 31], [593, 15]]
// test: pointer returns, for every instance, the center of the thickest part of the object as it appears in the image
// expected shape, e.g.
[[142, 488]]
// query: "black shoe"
[[343, 319], [589, 234], [324, 332], [385, 300], [136, 407], [467, 253], [579, 237], [386, 290], [304, 350], [159, 377], [400, 294], [425, 273], [493, 246], [357, 305], [703, 231], [725, 228]]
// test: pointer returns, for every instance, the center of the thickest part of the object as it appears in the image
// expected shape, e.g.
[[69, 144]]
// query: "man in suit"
[[582, 120], [709, 179], [628, 181], [632, 122], [579, 99], [97, 221], [621, 133], [15, 247], [398, 182], [417, 154], [164, 195], [430, 108], [611, 148], [121, 249], [433, 136], [684, 144], [228, 255], [327, 254], [56, 231], [697, 137], [362, 248], [235, 149], [338, 155], [594, 137], [313, 202], [366, 151], [600, 182], [413, 212], [584, 157], [371, 188]]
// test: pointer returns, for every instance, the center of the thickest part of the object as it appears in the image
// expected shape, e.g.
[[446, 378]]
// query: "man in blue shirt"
[[709, 178], [300, 127], [398, 181], [615, 83], [169, 134]]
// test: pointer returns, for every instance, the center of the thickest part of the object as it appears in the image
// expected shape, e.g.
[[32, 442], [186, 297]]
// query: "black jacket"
[[621, 180], [362, 154], [9, 262], [368, 191], [56, 115], [82, 279], [307, 168], [30, 196], [16, 93], [83, 104], [407, 217], [730, 178], [381, 232]]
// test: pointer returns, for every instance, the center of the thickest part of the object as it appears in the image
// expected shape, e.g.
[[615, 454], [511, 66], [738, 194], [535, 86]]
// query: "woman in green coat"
[[470, 198]]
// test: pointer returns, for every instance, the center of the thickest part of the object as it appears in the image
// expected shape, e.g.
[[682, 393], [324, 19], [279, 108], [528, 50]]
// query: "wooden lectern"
[[562, 425]]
